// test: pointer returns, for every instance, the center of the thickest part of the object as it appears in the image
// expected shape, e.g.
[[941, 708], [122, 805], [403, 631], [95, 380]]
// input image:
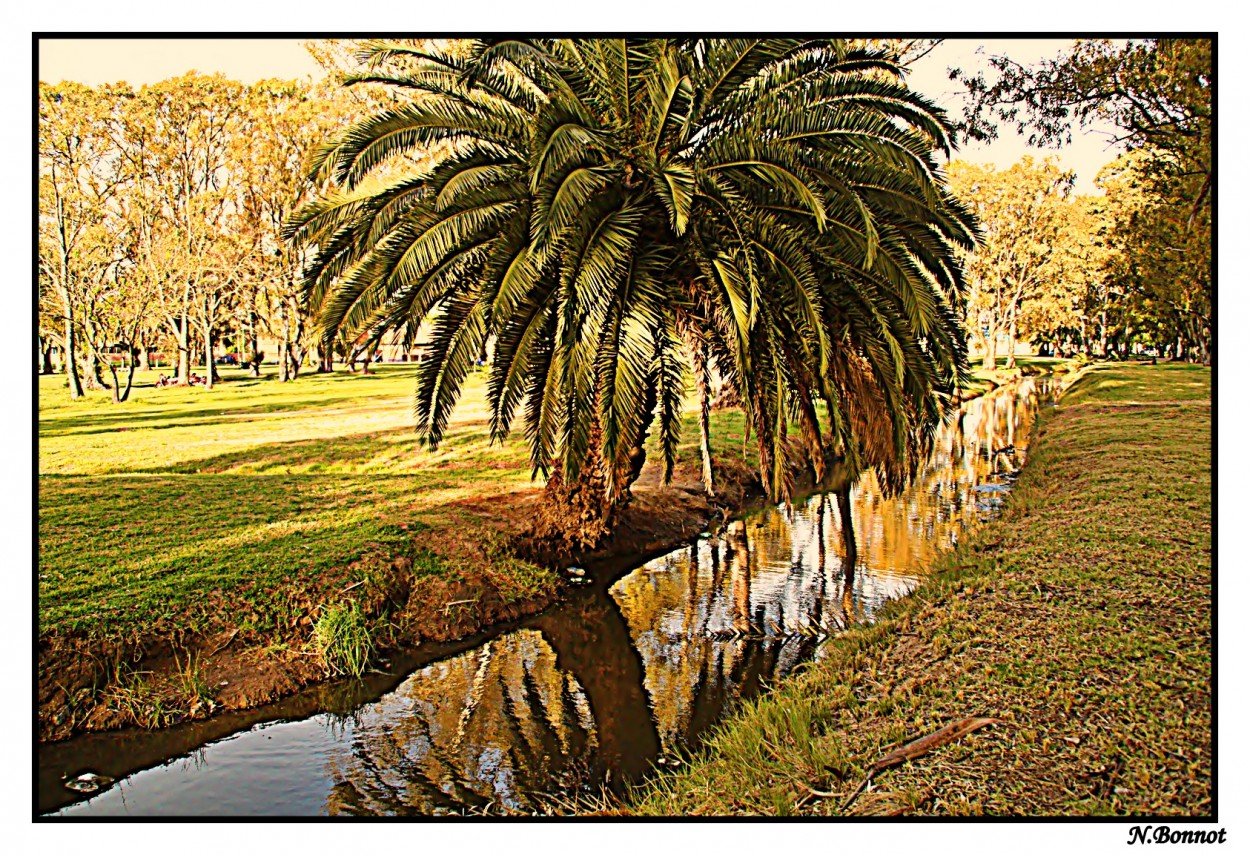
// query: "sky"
[[139, 61]]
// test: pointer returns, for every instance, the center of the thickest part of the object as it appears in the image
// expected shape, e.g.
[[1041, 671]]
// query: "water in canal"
[[620, 679]]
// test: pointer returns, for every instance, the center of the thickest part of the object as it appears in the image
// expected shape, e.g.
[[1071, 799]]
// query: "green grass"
[[192, 509], [1081, 617], [342, 640], [184, 507], [148, 507]]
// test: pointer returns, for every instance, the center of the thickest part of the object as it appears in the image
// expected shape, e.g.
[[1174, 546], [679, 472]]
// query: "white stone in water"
[[88, 782]]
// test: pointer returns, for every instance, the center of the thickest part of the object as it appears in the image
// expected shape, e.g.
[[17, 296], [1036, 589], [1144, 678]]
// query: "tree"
[[1159, 93], [1160, 238], [1078, 291], [581, 203], [281, 123], [174, 138], [77, 186], [1021, 214]]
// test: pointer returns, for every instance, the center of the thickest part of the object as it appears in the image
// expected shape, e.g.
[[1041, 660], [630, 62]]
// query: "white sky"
[[1090, 148], [139, 61]]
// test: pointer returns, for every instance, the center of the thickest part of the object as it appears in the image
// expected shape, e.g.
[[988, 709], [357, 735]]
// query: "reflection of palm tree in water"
[[593, 643], [477, 730], [739, 558], [843, 495]]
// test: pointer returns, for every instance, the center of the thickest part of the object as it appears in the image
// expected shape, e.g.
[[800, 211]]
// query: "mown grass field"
[[255, 487], [148, 506], [1081, 618]]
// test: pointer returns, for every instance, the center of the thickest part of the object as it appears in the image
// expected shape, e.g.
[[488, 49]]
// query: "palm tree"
[[600, 208]]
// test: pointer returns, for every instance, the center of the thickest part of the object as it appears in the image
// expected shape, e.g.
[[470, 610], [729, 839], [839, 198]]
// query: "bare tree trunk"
[[117, 399], [284, 349], [184, 349], [705, 405], [45, 354], [144, 364], [253, 347], [71, 359], [94, 379], [130, 379], [208, 348], [990, 360], [295, 351], [1011, 340], [1102, 329]]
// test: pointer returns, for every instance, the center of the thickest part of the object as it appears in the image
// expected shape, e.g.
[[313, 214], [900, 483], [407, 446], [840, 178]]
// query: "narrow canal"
[[621, 679]]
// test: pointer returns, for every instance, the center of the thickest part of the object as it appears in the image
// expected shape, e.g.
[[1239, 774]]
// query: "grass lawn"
[[148, 506], [152, 511], [1081, 618]]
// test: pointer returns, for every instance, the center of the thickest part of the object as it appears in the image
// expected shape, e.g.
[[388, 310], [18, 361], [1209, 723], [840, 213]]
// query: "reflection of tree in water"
[[483, 728], [716, 621], [595, 690]]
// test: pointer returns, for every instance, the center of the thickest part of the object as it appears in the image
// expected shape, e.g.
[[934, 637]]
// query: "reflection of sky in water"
[[599, 685]]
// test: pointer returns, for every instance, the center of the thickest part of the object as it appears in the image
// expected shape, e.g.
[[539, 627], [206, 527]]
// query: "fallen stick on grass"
[[920, 747]]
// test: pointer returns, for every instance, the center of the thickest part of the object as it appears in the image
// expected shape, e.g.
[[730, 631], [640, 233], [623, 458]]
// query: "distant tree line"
[[159, 216], [1102, 275]]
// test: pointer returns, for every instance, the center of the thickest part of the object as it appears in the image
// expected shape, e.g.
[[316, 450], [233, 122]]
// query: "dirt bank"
[[171, 674]]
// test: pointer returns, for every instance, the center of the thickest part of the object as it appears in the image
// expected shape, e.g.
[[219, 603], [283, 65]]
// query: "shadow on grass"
[[202, 411], [136, 549]]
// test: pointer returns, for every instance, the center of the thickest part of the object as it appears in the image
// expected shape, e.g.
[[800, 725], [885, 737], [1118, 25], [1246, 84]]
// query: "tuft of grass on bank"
[[1081, 617]]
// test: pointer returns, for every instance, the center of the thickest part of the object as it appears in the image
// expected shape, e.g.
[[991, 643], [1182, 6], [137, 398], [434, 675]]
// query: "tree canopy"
[[593, 209], [1159, 93]]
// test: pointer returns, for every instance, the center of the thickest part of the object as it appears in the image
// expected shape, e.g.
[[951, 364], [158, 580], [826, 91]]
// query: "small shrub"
[[342, 639]]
